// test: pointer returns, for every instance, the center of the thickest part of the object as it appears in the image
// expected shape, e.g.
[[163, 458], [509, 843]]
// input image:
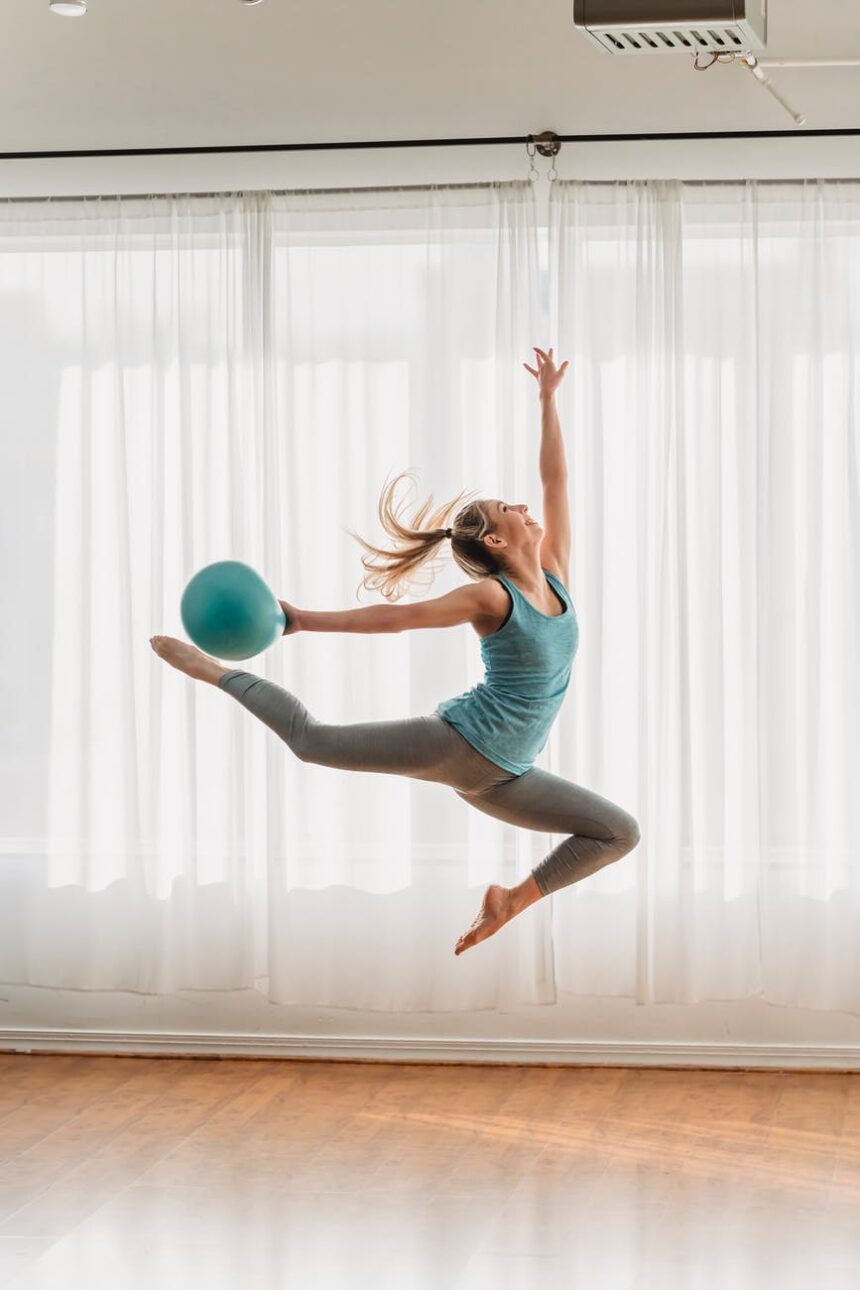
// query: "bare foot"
[[188, 659], [497, 908]]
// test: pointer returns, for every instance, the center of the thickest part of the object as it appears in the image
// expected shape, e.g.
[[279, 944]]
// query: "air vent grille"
[[661, 42], [672, 26]]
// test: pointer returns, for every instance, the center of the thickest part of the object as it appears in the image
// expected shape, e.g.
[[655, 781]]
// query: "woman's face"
[[512, 524]]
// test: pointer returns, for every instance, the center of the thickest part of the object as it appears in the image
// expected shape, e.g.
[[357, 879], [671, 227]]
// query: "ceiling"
[[183, 73]]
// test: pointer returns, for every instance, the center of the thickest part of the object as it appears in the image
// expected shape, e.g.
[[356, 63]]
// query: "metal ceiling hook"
[[548, 145]]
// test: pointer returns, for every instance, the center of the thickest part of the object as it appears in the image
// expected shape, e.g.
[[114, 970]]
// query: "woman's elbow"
[[399, 619]]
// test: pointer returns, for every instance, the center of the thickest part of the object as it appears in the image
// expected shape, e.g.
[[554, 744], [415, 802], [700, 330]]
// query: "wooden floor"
[[173, 1174]]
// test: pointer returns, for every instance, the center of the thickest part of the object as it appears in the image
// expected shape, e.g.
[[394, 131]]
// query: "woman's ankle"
[[525, 894], [214, 674]]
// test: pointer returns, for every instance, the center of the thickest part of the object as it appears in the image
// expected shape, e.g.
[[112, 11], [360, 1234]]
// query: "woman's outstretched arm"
[[463, 605], [555, 548], [553, 463]]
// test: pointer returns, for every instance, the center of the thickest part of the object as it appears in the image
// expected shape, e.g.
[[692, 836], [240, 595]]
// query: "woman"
[[483, 743]]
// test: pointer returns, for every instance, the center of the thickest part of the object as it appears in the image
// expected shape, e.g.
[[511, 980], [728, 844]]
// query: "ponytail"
[[417, 543], [391, 571]]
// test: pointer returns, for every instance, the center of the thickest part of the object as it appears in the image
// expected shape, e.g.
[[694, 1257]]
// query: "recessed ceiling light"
[[69, 8]]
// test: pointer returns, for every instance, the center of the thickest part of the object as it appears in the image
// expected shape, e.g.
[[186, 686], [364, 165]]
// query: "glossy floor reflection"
[[129, 1173]]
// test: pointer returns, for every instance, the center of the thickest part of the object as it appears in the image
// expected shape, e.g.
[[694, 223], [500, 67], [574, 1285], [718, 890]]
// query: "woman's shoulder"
[[491, 593], [495, 604]]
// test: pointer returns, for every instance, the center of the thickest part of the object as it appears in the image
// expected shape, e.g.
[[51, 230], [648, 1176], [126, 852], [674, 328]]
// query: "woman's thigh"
[[425, 747], [546, 802]]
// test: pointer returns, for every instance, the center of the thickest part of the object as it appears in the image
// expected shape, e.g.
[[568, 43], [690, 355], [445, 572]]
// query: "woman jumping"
[[483, 743]]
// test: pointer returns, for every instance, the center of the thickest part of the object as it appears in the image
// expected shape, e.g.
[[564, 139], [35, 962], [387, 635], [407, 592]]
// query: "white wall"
[[590, 1031]]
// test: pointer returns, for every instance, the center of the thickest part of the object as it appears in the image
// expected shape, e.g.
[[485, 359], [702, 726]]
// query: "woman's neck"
[[527, 572]]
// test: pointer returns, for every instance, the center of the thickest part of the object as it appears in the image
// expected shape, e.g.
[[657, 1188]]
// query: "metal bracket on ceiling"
[[547, 144]]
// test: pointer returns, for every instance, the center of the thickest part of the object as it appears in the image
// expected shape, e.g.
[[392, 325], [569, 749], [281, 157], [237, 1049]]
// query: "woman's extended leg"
[[599, 832], [419, 747]]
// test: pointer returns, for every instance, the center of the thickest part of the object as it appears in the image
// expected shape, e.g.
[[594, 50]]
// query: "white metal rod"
[[809, 62]]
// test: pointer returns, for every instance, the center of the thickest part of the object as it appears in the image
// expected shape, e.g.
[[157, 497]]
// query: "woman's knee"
[[628, 832], [311, 741], [302, 735]]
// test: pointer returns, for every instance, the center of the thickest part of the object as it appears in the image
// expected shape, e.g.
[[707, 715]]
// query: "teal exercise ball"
[[229, 612]]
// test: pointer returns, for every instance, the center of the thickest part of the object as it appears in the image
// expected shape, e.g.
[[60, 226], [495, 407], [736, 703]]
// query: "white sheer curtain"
[[194, 378], [190, 379], [712, 419]]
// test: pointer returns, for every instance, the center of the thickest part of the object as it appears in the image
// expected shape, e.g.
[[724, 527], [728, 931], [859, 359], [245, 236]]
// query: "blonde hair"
[[418, 539]]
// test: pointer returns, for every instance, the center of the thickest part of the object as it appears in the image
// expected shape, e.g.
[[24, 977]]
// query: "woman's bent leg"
[[599, 831], [419, 747]]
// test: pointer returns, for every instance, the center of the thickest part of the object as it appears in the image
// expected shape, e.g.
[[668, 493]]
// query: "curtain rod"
[[399, 188], [430, 143]]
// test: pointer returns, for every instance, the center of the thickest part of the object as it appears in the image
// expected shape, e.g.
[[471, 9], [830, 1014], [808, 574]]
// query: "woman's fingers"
[[543, 359]]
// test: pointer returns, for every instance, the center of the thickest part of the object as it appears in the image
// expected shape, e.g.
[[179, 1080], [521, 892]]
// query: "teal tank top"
[[527, 663]]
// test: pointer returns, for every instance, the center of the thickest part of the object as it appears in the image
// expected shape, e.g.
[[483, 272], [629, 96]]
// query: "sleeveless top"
[[527, 661]]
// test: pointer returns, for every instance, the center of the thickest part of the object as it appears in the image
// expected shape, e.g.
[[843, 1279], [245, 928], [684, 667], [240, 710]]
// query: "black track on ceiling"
[[433, 143]]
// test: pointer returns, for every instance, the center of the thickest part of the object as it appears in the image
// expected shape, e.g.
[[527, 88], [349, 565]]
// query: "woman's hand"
[[548, 376], [294, 622]]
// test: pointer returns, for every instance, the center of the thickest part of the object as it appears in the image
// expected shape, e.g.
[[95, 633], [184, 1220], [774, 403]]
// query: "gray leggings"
[[430, 748]]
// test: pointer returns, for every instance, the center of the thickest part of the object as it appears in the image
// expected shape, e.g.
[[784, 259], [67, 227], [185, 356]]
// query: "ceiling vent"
[[673, 26]]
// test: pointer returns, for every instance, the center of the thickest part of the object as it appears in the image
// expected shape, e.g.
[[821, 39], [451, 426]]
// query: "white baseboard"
[[384, 1048]]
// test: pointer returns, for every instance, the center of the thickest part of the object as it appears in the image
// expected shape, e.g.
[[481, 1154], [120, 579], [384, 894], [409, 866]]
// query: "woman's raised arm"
[[555, 547]]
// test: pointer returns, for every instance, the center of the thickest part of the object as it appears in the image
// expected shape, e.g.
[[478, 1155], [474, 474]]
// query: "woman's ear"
[[493, 539]]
